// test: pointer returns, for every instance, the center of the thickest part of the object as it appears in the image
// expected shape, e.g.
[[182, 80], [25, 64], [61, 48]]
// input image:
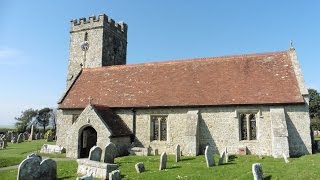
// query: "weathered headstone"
[[139, 167], [178, 153], [20, 138], [2, 144], [222, 158], [31, 135], [156, 152], [13, 139], [227, 155], [110, 153], [285, 158], [29, 169], [163, 161], [209, 156], [257, 171], [33, 155], [95, 153], [48, 169], [115, 175], [50, 138]]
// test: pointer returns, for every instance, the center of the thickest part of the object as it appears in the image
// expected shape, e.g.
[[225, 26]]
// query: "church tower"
[[96, 42]]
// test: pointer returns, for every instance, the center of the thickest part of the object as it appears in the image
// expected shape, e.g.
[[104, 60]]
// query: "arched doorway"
[[87, 139]]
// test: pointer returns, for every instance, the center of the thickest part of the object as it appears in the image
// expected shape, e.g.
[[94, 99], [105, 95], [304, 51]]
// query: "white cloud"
[[11, 56]]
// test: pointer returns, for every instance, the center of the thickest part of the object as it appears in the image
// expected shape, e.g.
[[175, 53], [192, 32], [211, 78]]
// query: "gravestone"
[[95, 153], [31, 135], [29, 169], [48, 169], [20, 138], [115, 175], [33, 155], [13, 139], [86, 177], [257, 171], [222, 158], [110, 153], [25, 136], [209, 156], [2, 144], [156, 152], [285, 158], [139, 167], [163, 161], [50, 138], [178, 153], [9, 135], [227, 155]]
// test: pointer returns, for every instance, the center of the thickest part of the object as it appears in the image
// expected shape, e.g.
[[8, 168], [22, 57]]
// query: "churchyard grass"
[[16, 152]]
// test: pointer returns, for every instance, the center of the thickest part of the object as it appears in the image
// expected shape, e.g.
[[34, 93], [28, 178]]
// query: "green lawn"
[[15, 153], [239, 167]]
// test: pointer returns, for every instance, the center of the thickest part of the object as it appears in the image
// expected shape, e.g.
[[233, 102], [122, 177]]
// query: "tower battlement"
[[83, 23]]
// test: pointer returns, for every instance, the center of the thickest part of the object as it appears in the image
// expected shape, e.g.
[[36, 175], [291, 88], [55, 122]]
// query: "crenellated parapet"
[[99, 21]]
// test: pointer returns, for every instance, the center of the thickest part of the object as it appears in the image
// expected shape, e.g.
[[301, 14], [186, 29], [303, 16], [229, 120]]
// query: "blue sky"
[[34, 38]]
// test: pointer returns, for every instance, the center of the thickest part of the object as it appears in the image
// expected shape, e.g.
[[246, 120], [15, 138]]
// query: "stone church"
[[251, 103]]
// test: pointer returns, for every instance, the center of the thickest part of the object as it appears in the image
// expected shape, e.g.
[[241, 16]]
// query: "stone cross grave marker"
[[178, 153], [209, 156], [110, 153], [163, 161], [139, 167], [95, 153], [257, 171]]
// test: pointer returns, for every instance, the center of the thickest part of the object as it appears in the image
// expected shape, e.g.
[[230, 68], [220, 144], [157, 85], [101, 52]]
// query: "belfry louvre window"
[[248, 128], [159, 127]]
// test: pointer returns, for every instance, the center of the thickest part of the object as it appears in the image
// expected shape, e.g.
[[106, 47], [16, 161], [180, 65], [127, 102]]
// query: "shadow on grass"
[[226, 164], [187, 158], [267, 177], [173, 167], [232, 158], [66, 177]]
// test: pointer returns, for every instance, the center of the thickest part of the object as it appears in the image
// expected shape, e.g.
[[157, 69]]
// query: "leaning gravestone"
[[178, 153], [31, 135], [139, 167], [209, 156], [48, 169], [95, 153], [163, 161], [257, 171], [29, 169], [20, 138], [110, 153], [115, 175]]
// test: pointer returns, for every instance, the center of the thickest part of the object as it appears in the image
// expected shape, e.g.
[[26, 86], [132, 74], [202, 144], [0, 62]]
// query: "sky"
[[34, 38]]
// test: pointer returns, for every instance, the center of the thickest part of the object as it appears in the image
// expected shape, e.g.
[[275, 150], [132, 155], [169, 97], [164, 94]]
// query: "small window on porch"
[[159, 128], [248, 128]]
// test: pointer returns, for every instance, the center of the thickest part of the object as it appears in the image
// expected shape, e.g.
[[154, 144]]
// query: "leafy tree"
[[314, 108], [24, 119], [43, 118]]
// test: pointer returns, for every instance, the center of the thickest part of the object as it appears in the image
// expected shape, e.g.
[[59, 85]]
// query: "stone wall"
[[218, 127]]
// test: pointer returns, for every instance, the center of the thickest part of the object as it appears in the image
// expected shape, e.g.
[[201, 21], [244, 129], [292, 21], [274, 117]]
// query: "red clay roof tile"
[[266, 78]]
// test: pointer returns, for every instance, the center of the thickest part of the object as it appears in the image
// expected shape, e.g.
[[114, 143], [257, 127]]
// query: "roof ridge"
[[185, 60]]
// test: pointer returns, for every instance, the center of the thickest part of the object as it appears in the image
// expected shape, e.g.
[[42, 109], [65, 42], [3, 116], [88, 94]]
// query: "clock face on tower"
[[85, 46]]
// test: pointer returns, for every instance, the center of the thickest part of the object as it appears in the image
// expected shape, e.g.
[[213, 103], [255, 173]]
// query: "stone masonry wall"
[[218, 127]]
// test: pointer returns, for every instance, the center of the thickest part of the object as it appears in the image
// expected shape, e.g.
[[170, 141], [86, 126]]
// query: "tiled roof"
[[266, 78], [113, 121]]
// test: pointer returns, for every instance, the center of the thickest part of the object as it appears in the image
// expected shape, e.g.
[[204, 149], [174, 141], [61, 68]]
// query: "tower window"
[[86, 36]]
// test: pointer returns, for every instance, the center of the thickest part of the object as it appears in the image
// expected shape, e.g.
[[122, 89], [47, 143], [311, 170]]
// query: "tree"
[[54, 120], [314, 103], [24, 119], [43, 118], [314, 108]]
